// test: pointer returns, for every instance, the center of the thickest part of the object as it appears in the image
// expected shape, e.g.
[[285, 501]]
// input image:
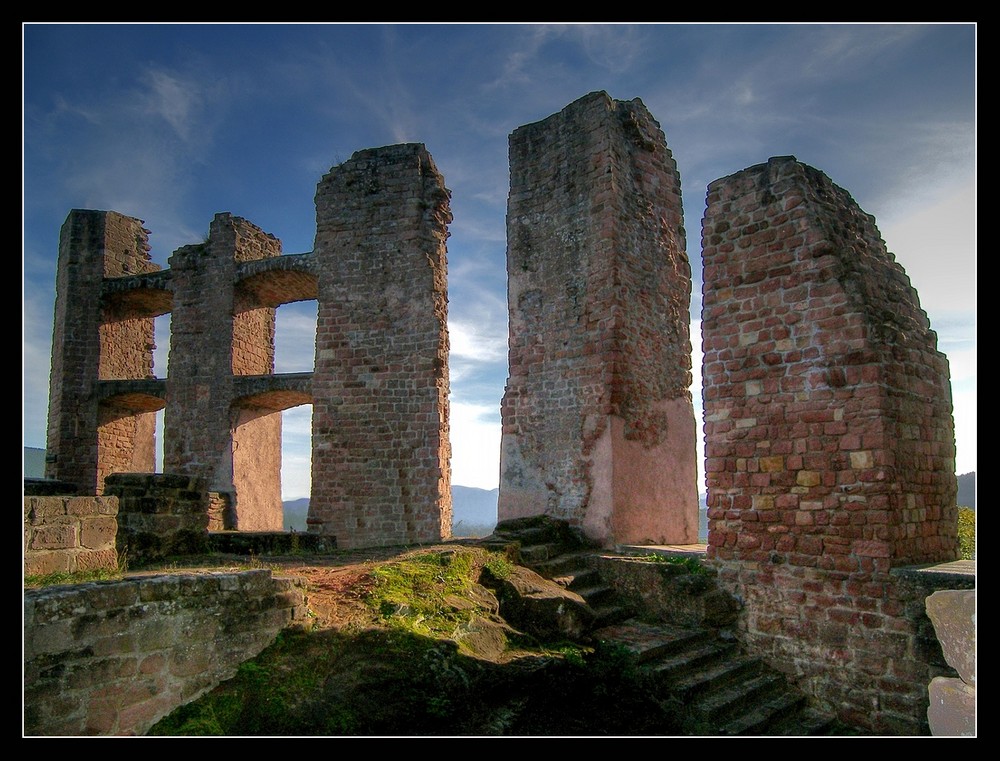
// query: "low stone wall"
[[112, 658], [69, 534], [160, 514], [669, 592]]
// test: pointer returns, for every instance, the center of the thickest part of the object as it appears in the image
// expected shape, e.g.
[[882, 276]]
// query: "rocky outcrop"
[[538, 606]]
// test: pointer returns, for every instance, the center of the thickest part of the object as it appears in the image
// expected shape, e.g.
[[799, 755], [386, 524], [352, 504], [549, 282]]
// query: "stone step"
[[565, 564], [716, 677], [609, 615], [806, 722], [740, 697], [650, 641], [534, 554], [704, 651], [599, 594], [764, 716], [580, 578]]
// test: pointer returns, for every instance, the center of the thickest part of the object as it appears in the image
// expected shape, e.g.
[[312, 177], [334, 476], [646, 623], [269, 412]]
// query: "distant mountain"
[[296, 511], [474, 511], [967, 490]]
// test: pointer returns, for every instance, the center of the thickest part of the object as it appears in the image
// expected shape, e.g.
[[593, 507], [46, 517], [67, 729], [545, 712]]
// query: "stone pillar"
[[598, 423], [218, 332], [94, 339], [830, 448], [381, 454]]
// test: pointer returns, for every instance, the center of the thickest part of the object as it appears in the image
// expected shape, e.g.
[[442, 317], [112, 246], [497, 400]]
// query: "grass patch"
[[690, 563], [418, 594], [76, 577]]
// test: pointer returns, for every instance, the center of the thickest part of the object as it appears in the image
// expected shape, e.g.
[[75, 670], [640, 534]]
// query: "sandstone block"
[[952, 708], [953, 613]]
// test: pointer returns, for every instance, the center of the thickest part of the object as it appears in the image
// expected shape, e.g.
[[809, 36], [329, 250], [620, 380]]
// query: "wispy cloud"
[[176, 101]]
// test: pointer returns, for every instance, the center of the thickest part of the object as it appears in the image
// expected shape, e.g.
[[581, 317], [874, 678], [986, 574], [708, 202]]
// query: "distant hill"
[[474, 511], [296, 512], [967, 490]]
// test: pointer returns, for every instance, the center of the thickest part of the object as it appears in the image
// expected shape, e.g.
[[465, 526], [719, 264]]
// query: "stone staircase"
[[703, 676], [717, 689]]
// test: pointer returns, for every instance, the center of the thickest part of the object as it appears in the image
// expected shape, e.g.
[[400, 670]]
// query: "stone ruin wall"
[[830, 453], [829, 437], [598, 422], [381, 448], [381, 452], [98, 340], [217, 333], [115, 658]]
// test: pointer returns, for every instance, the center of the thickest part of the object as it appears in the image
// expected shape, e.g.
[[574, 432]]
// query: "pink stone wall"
[[381, 453], [830, 453], [69, 534], [598, 424], [97, 339], [218, 332]]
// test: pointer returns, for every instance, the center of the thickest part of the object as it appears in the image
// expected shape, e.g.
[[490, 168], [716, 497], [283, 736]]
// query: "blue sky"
[[172, 123]]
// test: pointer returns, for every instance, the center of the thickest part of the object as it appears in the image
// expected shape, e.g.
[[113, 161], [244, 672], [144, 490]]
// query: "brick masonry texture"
[[381, 448], [598, 423], [112, 658], [95, 340], [381, 451], [830, 452], [219, 331], [160, 515], [69, 534]]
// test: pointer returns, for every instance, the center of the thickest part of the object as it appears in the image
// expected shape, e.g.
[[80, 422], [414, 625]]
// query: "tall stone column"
[[94, 340], [217, 333], [598, 423], [381, 453], [830, 447]]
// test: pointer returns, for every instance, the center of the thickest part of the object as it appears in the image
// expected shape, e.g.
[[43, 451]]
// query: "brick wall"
[[829, 437], [69, 534], [381, 453], [162, 514], [93, 340], [598, 424], [112, 658], [218, 332]]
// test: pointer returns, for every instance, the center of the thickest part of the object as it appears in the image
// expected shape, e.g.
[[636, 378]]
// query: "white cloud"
[[295, 337], [475, 445], [935, 242], [478, 343]]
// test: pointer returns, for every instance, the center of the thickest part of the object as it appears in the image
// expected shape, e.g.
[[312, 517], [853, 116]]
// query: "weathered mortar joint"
[[595, 431], [829, 444]]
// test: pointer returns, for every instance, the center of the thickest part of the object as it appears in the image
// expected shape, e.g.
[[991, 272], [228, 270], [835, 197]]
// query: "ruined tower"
[[219, 333], [381, 451], [95, 427], [830, 447], [598, 423]]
